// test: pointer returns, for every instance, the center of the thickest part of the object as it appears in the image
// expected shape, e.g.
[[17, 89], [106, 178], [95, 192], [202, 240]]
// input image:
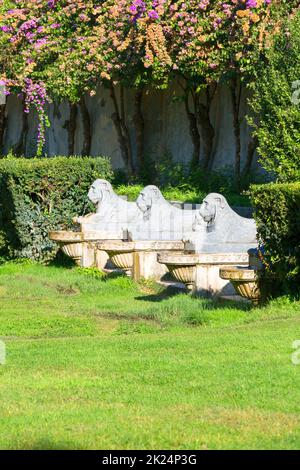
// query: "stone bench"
[[139, 258], [200, 271]]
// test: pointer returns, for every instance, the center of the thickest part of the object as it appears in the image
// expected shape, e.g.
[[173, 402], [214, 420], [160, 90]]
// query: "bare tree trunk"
[[71, 127], [139, 125], [193, 125], [125, 131], [117, 123], [206, 127], [194, 132], [236, 92], [87, 134], [3, 121], [252, 146], [20, 147], [118, 118]]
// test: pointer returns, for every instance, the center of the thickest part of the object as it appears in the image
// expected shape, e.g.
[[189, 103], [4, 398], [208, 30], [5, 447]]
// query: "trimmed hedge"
[[277, 213], [42, 194]]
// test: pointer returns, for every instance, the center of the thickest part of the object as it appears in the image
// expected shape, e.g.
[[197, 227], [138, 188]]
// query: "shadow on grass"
[[208, 303], [115, 274], [48, 444], [62, 261], [170, 291]]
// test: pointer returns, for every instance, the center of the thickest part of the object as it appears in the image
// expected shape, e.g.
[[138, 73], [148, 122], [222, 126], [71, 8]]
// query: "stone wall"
[[166, 127]]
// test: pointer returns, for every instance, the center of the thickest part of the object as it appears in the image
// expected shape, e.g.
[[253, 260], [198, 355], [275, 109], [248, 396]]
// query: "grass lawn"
[[100, 362]]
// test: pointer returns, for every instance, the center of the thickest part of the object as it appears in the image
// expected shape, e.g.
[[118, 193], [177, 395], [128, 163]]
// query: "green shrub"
[[131, 191], [182, 193], [179, 183], [276, 114], [38, 195], [187, 193], [277, 213]]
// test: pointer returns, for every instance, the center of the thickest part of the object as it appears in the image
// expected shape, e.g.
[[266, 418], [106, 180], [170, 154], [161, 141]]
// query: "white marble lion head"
[[99, 191], [149, 197], [210, 206]]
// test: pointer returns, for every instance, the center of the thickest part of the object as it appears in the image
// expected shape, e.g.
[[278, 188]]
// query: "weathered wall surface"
[[166, 127]]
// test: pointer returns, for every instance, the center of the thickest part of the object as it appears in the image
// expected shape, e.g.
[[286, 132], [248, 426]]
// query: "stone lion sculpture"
[[151, 201], [161, 219], [224, 227], [112, 211]]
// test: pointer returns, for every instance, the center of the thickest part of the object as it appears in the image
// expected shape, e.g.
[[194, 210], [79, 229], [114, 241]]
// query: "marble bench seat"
[[200, 271], [139, 258]]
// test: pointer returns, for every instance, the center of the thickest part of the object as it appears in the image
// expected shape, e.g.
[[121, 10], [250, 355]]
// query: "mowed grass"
[[101, 362]]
